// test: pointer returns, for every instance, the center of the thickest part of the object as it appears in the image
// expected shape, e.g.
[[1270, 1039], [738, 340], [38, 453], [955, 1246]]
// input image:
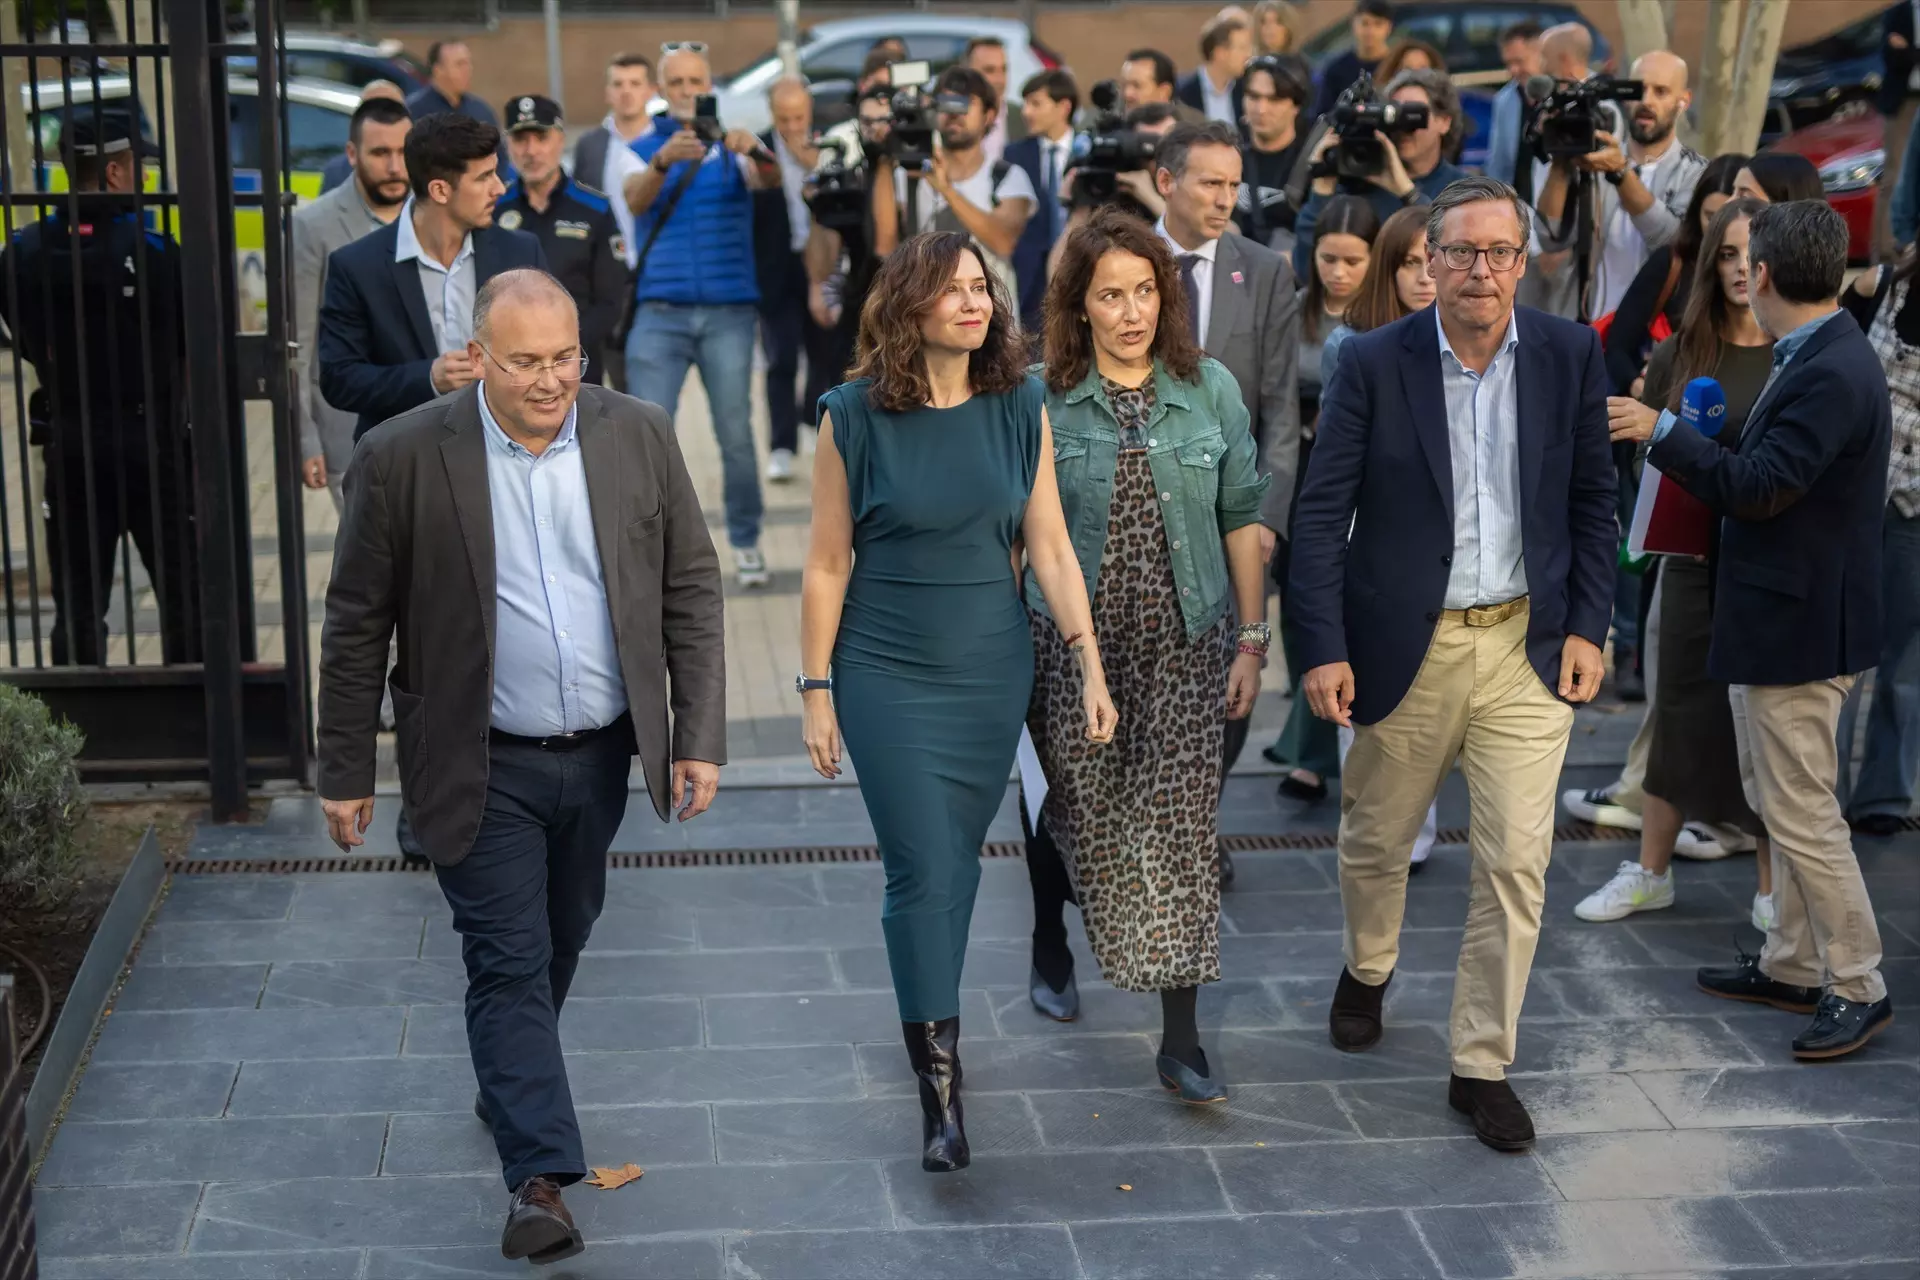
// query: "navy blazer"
[[1804, 493], [1036, 239], [1189, 90], [376, 340], [1382, 466]]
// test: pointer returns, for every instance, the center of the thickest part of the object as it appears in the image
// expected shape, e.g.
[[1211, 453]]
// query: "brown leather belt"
[[1489, 615]]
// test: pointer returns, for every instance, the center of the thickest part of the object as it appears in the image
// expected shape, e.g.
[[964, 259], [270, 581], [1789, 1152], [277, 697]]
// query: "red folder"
[[1667, 520]]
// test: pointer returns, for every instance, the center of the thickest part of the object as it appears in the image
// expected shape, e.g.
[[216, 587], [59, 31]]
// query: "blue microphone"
[[1703, 406]]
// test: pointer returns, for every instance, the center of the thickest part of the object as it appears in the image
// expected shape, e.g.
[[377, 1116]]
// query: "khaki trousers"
[[1475, 699], [1789, 763]]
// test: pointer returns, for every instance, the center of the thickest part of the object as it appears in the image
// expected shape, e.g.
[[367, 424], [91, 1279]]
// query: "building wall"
[[511, 59]]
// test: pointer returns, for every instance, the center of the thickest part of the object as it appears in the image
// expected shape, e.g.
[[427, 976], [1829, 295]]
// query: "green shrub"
[[41, 800]]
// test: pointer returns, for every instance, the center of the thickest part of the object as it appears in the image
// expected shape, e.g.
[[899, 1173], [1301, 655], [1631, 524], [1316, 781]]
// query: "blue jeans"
[[665, 340], [1887, 774]]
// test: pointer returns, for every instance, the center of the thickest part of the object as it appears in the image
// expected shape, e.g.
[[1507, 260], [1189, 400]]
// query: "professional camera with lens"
[[913, 119], [1107, 149], [1358, 119], [837, 192], [1568, 115]]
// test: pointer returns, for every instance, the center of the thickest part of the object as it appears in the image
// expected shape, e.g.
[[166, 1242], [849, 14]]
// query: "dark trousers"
[[90, 508], [524, 900], [787, 330]]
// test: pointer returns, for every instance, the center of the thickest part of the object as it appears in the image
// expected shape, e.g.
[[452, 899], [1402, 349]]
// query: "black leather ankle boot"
[[934, 1050]]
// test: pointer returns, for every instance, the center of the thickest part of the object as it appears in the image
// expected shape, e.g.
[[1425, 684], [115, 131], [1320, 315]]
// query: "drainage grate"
[[1571, 833]]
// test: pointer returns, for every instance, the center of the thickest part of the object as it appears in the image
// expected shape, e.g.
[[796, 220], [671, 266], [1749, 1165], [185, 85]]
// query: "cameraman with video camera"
[[1274, 90], [1391, 152], [1635, 198], [840, 259], [940, 179]]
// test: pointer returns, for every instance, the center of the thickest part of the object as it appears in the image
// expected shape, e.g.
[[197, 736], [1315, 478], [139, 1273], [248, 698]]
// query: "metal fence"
[[145, 597], [16, 1192]]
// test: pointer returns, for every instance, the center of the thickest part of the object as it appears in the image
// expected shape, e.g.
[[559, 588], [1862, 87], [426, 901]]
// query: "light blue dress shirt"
[[1783, 351], [556, 668], [449, 291], [1483, 437]]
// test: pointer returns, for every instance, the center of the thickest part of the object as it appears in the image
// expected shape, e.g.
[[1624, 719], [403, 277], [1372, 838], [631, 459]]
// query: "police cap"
[[108, 132], [533, 112]]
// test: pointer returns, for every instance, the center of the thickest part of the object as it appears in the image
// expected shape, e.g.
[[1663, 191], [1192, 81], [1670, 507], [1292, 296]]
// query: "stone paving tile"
[[1334, 1176], [1019, 1063], [1783, 1095], [826, 1018], [688, 1198], [861, 1129], [192, 986], [227, 898], [364, 983], [77, 1221], [223, 941], [1067, 1187], [332, 897], [1411, 998], [1629, 993], [1840, 1226], [153, 1092], [1891, 1148], [1315, 957], [1558, 1104], [1282, 1057], [622, 931], [712, 887], [990, 963], [938, 1253], [1255, 1115], [333, 1213], [1578, 1241], [456, 1142], [742, 928], [1701, 1162], [713, 1075], [213, 1150], [229, 1035], [351, 1086], [586, 1026], [681, 1259], [1333, 1246], [326, 1264], [1629, 1044], [1105, 1009], [711, 973]]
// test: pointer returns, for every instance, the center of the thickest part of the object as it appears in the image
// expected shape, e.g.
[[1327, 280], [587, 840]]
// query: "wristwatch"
[[801, 684]]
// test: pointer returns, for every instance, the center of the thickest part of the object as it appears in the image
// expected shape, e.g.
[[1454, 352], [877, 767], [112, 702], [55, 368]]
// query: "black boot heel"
[[934, 1050]]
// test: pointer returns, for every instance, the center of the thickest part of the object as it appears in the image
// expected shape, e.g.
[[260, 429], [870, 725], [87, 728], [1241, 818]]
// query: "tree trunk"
[[1643, 28], [1720, 60], [1759, 42]]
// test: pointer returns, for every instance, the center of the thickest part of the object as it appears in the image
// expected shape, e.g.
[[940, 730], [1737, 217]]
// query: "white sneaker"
[[750, 567], [1597, 807], [1633, 888], [780, 466], [1699, 842], [1764, 918]]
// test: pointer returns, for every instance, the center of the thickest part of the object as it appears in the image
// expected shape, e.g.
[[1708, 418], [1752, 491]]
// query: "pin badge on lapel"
[[1238, 278]]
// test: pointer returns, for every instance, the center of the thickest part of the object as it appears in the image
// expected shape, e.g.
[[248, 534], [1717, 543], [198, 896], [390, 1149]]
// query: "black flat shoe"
[[1841, 1026], [1310, 792], [1353, 1021], [934, 1050], [1062, 1005], [1194, 1088], [1499, 1118], [1742, 980], [1226, 869]]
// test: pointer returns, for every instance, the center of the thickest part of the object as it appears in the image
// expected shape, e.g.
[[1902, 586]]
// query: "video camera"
[[914, 116], [1566, 114], [1107, 149], [1356, 119], [837, 192]]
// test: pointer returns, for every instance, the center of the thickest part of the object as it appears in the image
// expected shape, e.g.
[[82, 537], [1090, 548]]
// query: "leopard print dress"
[[1136, 820]]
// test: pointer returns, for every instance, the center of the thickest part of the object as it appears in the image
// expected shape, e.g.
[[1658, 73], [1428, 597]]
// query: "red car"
[[1849, 152]]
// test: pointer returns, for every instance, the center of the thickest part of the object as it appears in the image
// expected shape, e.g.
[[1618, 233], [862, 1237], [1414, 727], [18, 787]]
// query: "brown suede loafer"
[[539, 1228], [1353, 1021], [1499, 1118]]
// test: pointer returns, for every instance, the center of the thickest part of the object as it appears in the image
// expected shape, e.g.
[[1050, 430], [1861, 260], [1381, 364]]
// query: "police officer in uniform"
[[574, 222], [110, 423]]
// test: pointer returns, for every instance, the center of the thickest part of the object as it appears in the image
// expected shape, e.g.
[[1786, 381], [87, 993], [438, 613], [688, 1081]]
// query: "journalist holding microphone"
[[1797, 613]]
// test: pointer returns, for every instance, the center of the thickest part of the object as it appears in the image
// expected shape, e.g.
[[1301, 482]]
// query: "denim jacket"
[[1201, 452]]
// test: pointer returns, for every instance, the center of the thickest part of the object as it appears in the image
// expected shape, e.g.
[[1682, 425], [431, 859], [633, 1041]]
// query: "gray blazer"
[[319, 227], [415, 554], [1254, 330]]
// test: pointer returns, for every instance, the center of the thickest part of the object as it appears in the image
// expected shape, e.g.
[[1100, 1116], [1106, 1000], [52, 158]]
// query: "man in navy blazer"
[[1796, 613], [398, 310], [1213, 88], [1048, 99], [1452, 571]]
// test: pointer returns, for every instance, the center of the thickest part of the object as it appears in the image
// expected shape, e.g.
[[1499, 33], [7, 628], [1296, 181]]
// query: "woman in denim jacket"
[[1155, 461]]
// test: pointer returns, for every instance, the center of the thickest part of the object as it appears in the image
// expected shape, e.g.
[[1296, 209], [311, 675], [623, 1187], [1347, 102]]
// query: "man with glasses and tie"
[[1048, 100], [1452, 578]]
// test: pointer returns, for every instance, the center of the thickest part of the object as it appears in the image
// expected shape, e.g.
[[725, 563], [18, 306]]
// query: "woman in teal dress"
[[933, 463]]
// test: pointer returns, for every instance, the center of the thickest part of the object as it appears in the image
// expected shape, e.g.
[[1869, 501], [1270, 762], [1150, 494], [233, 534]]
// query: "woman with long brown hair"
[[1157, 479], [1693, 765], [934, 461]]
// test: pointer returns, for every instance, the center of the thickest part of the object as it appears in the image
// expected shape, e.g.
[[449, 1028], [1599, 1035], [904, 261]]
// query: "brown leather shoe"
[[1499, 1118], [1353, 1020], [539, 1228]]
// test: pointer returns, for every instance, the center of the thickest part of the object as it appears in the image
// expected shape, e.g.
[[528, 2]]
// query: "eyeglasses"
[[1500, 257], [670, 47], [524, 373]]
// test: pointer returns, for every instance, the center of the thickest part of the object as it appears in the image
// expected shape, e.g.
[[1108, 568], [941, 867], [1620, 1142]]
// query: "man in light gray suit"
[[376, 152]]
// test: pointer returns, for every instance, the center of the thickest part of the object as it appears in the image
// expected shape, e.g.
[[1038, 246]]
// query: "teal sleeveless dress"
[[933, 664]]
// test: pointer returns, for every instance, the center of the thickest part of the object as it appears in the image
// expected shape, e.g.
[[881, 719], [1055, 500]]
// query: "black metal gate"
[[145, 597]]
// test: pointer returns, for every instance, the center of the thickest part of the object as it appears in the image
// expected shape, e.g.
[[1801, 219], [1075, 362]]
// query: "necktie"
[[1052, 178], [1187, 261]]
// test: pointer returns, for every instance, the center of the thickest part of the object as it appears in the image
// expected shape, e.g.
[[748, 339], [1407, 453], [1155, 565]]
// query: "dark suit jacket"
[[376, 342], [1804, 493], [1189, 89], [415, 554], [1253, 328], [1382, 464], [1036, 240], [1896, 64], [780, 271]]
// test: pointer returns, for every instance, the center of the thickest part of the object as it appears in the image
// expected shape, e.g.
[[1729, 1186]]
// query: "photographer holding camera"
[[1274, 90], [839, 256], [951, 185], [1643, 191], [1114, 164], [1392, 152]]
